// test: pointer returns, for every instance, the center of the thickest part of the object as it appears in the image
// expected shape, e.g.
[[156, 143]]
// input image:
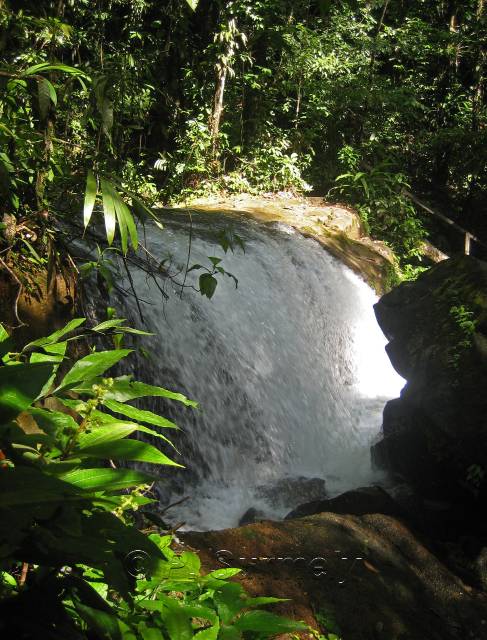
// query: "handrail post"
[[468, 237]]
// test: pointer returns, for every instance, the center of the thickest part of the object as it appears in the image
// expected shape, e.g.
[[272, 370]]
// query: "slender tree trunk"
[[218, 106]]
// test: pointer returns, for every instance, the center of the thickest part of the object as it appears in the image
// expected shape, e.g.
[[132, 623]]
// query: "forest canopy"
[[358, 100]]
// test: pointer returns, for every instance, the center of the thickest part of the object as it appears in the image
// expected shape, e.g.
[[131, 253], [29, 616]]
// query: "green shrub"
[[72, 564]]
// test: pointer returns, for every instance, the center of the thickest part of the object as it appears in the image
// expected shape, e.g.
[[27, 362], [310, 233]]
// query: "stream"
[[289, 370]]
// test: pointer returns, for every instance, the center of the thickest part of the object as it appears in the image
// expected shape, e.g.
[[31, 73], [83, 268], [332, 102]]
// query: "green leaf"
[[259, 601], [108, 324], [148, 633], [120, 213], [178, 623], [92, 366], [193, 4], [209, 634], [6, 342], [53, 422], [139, 414], [104, 435], [20, 385], [54, 337], [42, 67], [267, 624], [90, 197], [109, 210], [125, 220], [223, 574], [207, 285], [109, 422], [135, 450], [104, 624], [106, 479], [35, 68], [124, 389], [25, 485], [52, 353]]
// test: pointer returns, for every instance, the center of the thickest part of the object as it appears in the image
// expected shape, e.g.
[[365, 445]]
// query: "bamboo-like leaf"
[[119, 212], [132, 229], [90, 197], [109, 210]]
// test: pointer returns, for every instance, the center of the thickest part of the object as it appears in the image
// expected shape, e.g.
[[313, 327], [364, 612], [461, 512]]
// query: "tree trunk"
[[218, 107]]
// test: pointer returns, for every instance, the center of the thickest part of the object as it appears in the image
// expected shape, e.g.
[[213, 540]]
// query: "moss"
[[251, 534]]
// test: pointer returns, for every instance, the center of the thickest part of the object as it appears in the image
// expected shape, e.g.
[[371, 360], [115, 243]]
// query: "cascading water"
[[289, 370]]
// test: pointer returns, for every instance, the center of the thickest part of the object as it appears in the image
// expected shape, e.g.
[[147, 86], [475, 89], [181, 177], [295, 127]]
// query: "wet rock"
[[357, 502], [250, 516], [289, 491], [434, 435], [361, 573]]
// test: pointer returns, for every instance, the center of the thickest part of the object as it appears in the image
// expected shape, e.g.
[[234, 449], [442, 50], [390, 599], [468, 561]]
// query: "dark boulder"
[[435, 434], [250, 516], [357, 502]]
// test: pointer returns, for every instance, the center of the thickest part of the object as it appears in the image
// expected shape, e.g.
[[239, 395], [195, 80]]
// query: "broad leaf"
[[92, 366], [104, 624], [207, 285], [53, 422], [124, 389], [139, 414], [25, 485], [209, 634], [106, 479], [54, 337], [104, 435], [134, 450], [265, 623], [20, 385]]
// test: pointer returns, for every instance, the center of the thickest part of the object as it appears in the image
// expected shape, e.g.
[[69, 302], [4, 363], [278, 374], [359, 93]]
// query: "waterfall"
[[289, 370]]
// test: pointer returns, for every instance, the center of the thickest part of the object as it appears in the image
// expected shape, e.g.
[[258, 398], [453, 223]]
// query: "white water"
[[289, 370]]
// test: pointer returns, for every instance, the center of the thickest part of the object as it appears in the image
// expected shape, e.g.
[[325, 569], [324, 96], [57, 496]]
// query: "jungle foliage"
[[137, 102], [72, 562], [110, 107]]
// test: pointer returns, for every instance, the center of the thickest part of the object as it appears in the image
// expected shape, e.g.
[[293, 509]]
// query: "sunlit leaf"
[[91, 366], [90, 197]]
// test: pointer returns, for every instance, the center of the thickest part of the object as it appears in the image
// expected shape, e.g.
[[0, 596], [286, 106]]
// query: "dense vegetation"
[[72, 563], [111, 107], [360, 97]]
